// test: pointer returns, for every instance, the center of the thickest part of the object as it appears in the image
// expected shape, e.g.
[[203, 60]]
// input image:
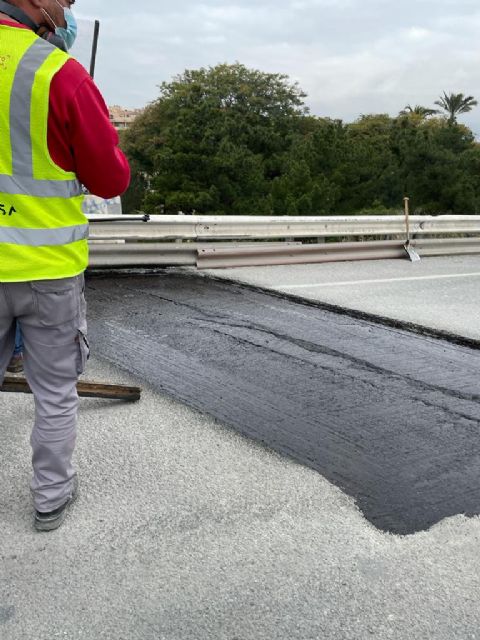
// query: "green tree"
[[215, 139], [455, 104], [232, 140], [371, 168], [432, 166], [418, 110], [310, 182]]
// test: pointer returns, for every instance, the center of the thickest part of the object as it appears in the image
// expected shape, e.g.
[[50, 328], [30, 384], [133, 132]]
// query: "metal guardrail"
[[215, 258], [151, 254], [187, 240], [266, 227]]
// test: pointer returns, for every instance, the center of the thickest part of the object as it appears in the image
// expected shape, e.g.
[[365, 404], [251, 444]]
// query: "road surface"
[[390, 417]]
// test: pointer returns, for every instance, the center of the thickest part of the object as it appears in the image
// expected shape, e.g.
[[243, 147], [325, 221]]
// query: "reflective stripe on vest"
[[20, 108], [43, 237], [21, 186]]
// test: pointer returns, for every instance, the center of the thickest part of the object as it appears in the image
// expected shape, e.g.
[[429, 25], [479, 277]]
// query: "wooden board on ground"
[[17, 384]]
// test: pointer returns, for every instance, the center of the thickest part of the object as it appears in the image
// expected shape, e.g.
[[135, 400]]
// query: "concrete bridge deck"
[[186, 530]]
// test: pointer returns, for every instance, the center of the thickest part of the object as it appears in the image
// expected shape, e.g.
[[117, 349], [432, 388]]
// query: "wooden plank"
[[18, 384]]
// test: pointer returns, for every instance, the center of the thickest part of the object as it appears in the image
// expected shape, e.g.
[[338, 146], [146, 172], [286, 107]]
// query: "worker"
[[55, 135]]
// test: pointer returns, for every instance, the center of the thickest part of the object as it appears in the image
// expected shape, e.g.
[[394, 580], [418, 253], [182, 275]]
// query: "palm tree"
[[418, 110], [455, 104]]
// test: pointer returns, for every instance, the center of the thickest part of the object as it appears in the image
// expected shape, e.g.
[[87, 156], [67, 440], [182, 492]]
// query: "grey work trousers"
[[52, 316]]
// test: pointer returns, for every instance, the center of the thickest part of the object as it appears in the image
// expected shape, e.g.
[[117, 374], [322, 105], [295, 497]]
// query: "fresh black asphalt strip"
[[390, 417]]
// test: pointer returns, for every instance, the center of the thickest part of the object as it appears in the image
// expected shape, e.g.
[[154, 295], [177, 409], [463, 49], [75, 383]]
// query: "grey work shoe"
[[52, 520]]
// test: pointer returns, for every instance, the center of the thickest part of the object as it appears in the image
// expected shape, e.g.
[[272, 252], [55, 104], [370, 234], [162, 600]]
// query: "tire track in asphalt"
[[390, 417]]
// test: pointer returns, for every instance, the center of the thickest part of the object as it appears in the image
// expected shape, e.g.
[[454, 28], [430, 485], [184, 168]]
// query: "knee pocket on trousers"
[[56, 301]]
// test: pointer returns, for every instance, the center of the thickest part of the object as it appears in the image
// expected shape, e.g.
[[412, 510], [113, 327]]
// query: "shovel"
[[412, 254]]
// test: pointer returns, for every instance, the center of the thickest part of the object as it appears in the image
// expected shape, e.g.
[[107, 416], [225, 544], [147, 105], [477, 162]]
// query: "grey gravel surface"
[[184, 530], [441, 293]]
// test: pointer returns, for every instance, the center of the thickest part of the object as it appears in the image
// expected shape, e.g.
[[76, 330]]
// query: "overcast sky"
[[349, 56]]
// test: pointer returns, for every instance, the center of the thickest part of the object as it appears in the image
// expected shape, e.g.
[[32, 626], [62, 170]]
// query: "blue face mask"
[[68, 33]]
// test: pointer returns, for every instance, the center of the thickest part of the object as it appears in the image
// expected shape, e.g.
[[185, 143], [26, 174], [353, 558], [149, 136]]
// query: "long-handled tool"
[[412, 254], [17, 384]]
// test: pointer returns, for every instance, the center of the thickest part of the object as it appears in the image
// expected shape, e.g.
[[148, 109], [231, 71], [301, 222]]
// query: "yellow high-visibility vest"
[[43, 230]]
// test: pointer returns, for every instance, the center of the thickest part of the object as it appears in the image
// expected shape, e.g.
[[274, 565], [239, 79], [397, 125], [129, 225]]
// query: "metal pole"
[[93, 59], [407, 217], [143, 217], [412, 254]]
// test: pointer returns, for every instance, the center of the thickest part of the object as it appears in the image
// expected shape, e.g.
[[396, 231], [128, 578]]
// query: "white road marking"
[[382, 280]]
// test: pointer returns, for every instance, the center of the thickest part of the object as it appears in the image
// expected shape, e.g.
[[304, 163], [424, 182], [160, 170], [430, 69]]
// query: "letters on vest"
[[43, 230]]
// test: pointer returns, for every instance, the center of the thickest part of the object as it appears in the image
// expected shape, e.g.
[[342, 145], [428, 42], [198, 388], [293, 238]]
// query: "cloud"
[[350, 56]]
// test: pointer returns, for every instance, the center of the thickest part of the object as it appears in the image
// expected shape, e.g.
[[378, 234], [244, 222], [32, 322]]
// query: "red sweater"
[[81, 137]]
